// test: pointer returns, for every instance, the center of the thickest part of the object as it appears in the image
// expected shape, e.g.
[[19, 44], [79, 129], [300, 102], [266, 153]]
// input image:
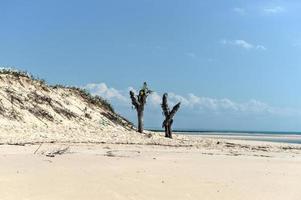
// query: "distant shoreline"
[[229, 131], [279, 137]]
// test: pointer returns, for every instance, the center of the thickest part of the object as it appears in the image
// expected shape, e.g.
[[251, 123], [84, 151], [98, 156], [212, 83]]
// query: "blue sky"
[[233, 64]]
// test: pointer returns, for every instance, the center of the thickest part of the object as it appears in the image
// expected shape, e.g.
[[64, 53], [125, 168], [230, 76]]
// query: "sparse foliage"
[[19, 73]]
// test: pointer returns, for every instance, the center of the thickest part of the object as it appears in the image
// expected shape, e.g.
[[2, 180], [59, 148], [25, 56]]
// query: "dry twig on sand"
[[59, 151], [37, 148]]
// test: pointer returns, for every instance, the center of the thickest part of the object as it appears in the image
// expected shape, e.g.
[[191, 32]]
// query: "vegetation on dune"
[[99, 101], [20, 73], [94, 99], [86, 95], [17, 73]]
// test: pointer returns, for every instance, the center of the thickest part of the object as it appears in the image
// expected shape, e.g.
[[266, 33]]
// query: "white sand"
[[146, 172]]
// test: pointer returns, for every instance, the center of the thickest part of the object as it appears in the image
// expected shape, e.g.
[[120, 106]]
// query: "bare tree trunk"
[[169, 131], [140, 121], [138, 102], [166, 130], [167, 123]]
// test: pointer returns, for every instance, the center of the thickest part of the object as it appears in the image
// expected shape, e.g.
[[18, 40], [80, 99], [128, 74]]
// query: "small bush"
[[21, 73], [95, 100], [58, 86], [15, 72]]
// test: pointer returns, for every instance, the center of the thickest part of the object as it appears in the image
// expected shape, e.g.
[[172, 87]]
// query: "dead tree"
[[138, 102], [167, 123]]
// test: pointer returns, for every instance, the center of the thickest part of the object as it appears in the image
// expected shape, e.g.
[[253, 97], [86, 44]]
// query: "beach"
[[60, 142], [217, 169], [150, 100]]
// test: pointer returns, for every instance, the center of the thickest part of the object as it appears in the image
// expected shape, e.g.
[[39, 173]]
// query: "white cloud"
[[191, 102], [226, 105], [273, 10], [132, 89], [240, 11], [261, 47], [243, 44], [155, 99], [174, 98], [104, 91]]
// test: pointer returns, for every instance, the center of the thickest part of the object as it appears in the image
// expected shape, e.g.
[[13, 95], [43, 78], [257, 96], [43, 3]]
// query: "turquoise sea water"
[[270, 136]]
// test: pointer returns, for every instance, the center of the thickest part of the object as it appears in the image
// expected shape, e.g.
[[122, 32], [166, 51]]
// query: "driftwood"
[[138, 101], [167, 123], [55, 152]]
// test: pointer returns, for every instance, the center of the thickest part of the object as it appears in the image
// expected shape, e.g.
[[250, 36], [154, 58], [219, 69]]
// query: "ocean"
[[268, 136]]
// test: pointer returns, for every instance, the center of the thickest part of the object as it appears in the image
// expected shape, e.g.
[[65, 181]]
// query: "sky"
[[234, 65]]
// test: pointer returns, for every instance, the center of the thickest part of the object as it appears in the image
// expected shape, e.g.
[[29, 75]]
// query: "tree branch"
[[135, 102], [164, 105], [174, 110]]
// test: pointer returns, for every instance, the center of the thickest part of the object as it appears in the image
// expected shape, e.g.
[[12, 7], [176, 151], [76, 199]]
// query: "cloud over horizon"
[[191, 102], [104, 91]]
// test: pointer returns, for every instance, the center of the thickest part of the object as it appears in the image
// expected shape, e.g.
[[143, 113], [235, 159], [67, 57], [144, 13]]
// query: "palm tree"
[[167, 123], [138, 102]]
